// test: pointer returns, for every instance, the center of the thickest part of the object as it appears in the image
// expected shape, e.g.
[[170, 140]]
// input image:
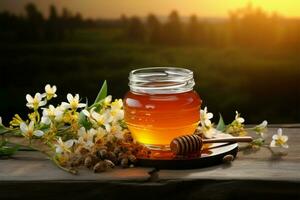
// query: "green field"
[[260, 84]]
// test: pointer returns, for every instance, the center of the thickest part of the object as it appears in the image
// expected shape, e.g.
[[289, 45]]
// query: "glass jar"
[[161, 105]]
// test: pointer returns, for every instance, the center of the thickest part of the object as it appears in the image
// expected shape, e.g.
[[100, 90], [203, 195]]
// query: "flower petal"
[[58, 149], [29, 98], [23, 127], [38, 133], [29, 105], [65, 105], [70, 97], [279, 131], [54, 88], [264, 124], [76, 97], [107, 127], [86, 113], [275, 137], [241, 120], [273, 143], [209, 115], [81, 105], [69, 143], [45, 120], [47, 87], [42, 103], [38, 96], [284, 138], [81, 131], [31, 125]]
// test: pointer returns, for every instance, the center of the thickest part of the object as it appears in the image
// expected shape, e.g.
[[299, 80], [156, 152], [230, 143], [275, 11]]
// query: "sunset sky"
[[113, 8]]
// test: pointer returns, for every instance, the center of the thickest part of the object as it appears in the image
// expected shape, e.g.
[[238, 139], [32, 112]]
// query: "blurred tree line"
[[246, 27], [33, 26]]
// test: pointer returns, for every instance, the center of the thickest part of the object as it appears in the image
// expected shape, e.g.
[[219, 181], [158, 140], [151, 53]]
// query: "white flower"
[[73, 102], [28, 130], [89, 113], [117, 104], [61, 146], [106, 101], [36, 101], [205, 117], [209, 132], [238, 118], [279, 140], [86, 138], [100, 134], [0, 120], [117, 131], [116, 111], [261, 128], [50, 91], [52, 113], [103, 119]]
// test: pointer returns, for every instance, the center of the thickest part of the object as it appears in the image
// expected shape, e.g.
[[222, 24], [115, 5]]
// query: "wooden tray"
[[212, 156]]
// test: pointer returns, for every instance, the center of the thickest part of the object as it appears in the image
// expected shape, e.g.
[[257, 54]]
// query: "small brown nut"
[[112, 157], [132, 158], [101, 166], [228, 158], [102, 154], [77, 161], [117, 150], [88, 161], [124, 162], [82, 151], [128, 137], [109, 163]]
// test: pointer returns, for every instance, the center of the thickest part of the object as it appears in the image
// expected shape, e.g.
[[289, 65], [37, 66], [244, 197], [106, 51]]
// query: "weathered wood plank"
[[250, 176]]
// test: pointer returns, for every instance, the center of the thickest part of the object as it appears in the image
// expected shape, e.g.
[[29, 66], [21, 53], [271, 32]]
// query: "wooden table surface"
[[250, 176]]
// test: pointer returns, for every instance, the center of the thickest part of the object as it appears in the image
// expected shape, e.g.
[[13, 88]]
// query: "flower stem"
[[72, 171], [51, 157]]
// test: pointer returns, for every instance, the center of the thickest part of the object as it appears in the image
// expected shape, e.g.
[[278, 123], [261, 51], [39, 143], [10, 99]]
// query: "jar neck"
[[161, 80]]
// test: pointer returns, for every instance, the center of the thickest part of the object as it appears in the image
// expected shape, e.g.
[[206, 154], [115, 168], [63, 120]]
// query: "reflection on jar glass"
[[161, 105]]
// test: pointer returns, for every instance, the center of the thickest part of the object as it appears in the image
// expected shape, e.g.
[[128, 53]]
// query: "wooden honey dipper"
[[188, 144]]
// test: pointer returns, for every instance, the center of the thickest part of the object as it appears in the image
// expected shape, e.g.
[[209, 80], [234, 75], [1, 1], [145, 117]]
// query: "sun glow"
[[113, 8]]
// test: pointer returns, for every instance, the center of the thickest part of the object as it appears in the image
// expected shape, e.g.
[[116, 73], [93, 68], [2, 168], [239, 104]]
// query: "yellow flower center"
[[35, 103], [74, 104], [30, 133], [280, 141]]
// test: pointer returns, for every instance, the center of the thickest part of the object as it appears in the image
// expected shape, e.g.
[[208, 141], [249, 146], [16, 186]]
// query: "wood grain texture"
[[250, 176]]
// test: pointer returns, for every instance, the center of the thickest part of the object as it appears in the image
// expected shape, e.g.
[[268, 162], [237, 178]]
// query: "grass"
[[260, 84]]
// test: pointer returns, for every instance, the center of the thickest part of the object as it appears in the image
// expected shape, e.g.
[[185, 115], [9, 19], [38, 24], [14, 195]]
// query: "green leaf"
[[102, 93], [7, 150], [221, 124], [258, 141], [2, 129], [83, 121]]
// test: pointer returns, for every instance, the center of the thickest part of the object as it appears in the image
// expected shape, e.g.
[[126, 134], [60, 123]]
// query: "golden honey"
[[161, 105]]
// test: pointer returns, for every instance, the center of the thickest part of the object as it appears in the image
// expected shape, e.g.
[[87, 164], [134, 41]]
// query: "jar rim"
[[161, 80]]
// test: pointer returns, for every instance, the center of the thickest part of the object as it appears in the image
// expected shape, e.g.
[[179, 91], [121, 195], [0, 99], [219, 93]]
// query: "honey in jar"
[[161, 105]]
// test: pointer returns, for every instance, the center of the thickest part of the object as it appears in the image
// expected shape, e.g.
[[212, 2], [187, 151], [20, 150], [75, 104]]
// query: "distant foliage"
[[247, 27], [33, 26], [135, 29]]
